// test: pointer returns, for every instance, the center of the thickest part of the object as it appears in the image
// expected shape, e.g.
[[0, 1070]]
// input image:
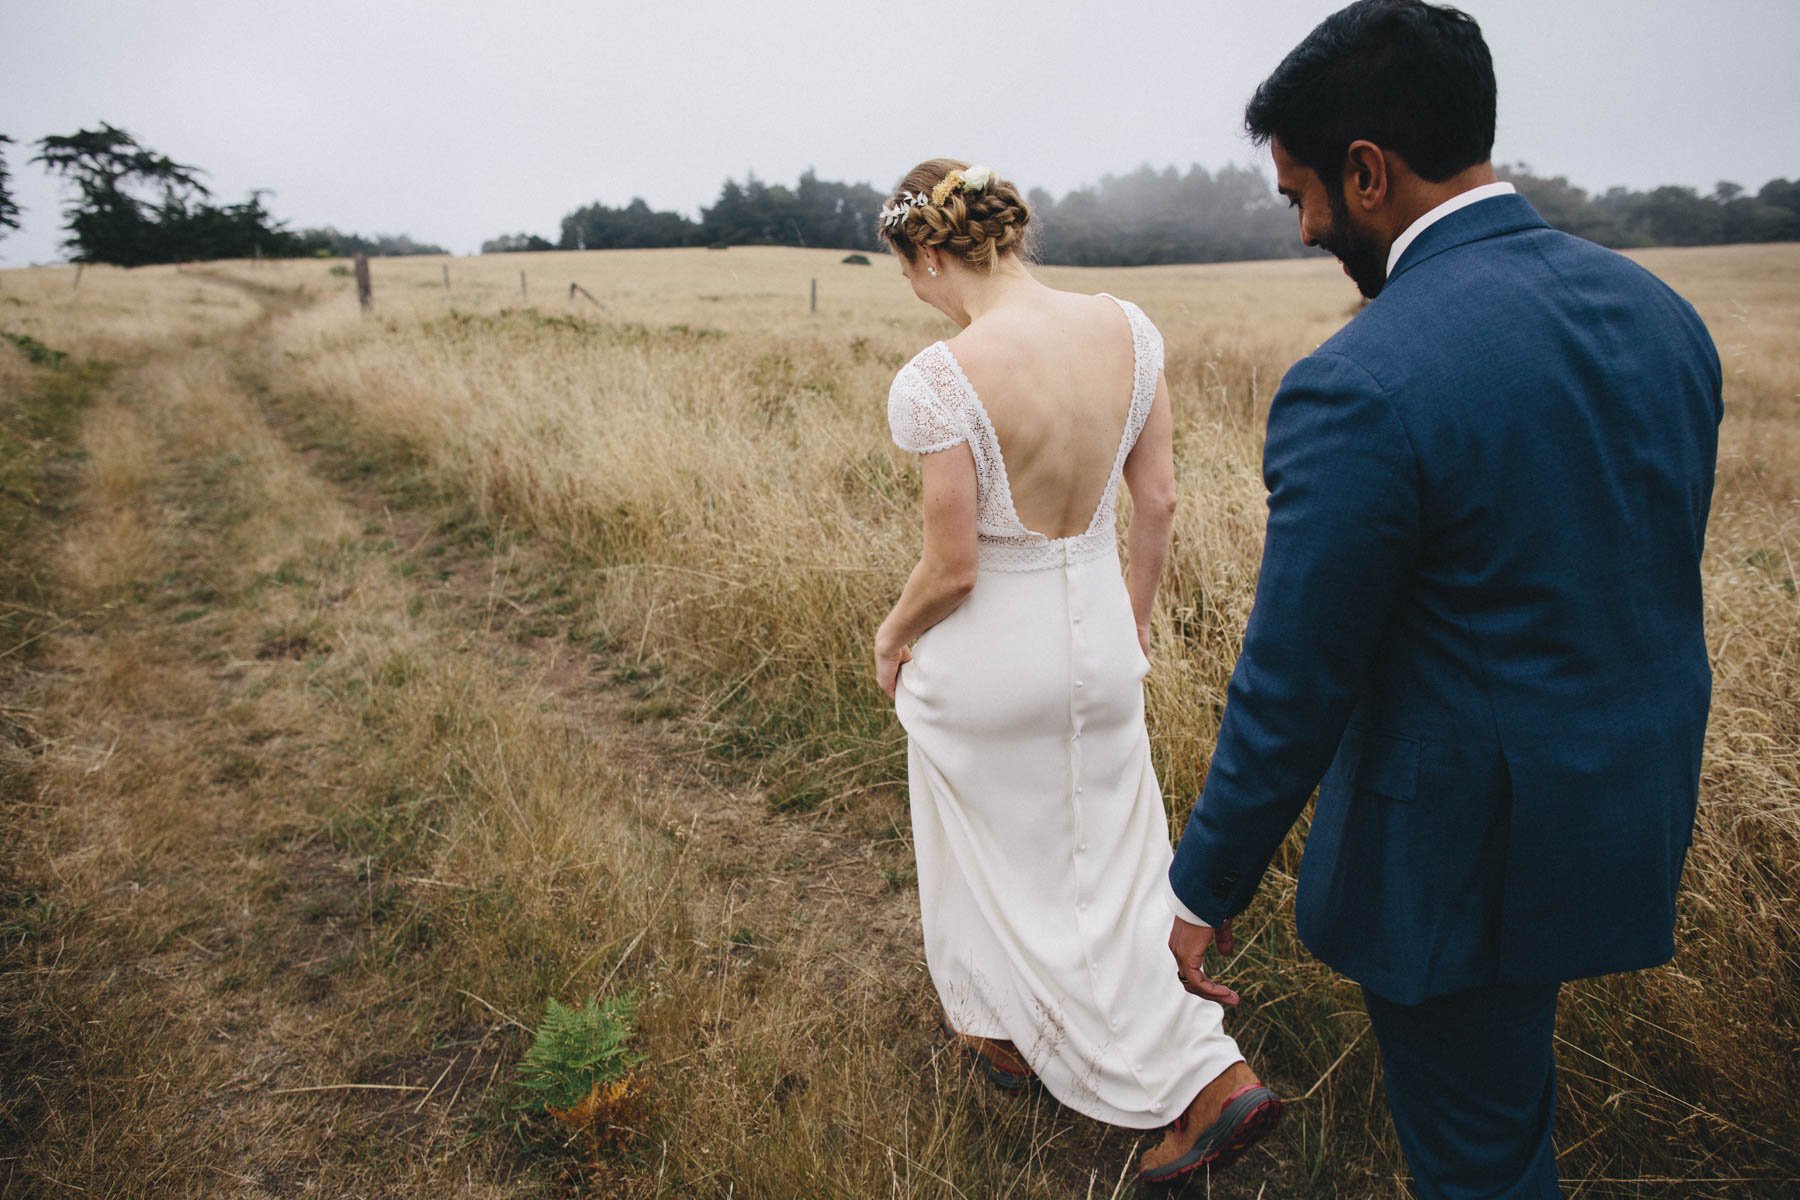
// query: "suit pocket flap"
[[1389, 766]]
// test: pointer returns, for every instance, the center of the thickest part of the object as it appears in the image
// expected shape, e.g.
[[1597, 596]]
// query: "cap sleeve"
[[919, 417]]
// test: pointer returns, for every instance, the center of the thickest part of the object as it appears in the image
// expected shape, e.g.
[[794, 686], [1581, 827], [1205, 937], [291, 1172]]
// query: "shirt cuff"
[[1178, 908]]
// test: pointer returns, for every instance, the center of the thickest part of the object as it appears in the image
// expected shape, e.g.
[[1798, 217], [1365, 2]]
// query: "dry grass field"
[[369, 680]]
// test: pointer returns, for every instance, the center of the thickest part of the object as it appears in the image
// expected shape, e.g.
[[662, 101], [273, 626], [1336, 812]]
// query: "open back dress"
[[1037, 820]]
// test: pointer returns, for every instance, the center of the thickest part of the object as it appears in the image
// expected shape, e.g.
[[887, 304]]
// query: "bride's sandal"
[[999, 1061]]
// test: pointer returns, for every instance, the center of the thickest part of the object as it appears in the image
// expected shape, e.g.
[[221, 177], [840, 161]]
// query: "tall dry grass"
[[304, 842], [708, 463], [716, 457], [110, 313]]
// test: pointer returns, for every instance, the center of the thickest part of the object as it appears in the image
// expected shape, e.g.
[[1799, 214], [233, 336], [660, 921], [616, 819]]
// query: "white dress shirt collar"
[[1459, 201]]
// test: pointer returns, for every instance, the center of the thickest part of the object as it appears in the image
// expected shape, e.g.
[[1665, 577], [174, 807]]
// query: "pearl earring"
[[933, 271]]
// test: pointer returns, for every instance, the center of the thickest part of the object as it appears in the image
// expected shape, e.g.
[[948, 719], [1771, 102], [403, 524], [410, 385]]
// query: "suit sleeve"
[[1343, 534]]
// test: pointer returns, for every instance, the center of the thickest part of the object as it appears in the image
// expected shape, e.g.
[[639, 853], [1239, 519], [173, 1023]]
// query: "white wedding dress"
[[1037, 820]]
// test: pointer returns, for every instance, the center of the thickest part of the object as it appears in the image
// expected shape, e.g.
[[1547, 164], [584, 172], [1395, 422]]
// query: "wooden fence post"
[[576, 287], [815, 295], [78, 269], [523, 294], [446, 277], [365, 291]]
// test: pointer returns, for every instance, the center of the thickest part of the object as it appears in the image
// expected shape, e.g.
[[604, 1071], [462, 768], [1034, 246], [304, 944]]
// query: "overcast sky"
[[457, 120]]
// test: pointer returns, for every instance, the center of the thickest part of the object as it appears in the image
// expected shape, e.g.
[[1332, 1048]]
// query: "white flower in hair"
[[895, 213], [977, 178]]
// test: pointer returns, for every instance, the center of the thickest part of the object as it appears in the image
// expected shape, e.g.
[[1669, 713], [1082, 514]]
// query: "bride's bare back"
[[1054, 372]]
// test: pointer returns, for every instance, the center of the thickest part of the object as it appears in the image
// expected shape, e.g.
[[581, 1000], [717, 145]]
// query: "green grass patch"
[[38, 354], [39, 462]]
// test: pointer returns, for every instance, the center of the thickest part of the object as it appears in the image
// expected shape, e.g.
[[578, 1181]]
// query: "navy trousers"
[[1471, 1082]]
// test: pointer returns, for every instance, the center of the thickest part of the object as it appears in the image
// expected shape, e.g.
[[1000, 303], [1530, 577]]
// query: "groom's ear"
[[1366, 176]]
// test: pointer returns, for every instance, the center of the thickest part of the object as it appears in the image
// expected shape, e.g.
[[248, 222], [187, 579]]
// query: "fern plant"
[[577, 1052]]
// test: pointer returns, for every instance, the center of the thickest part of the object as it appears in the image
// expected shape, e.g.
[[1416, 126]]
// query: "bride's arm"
[[1150, 474], [945, 574]]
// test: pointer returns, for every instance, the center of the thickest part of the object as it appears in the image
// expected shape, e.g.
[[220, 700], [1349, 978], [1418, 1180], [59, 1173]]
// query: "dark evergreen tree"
[[9, 209], [1779, 211], [1680, 216], [136, 206], [112, 221], [636, 226]]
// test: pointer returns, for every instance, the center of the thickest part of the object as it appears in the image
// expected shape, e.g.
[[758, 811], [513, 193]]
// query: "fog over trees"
[[134, 205], [1664, 216], [1154, 216]]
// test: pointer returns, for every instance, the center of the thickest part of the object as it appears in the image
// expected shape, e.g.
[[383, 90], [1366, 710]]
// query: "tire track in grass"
[[333, 788], [838, 901]]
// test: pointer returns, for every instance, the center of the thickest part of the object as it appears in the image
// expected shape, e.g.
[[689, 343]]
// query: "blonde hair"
[[977, 227]]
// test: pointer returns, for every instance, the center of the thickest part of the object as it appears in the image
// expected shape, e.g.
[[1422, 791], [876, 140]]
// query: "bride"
[[1015, 657]]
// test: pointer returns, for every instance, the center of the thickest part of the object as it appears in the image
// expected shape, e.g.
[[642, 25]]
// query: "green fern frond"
[[573, 1049]]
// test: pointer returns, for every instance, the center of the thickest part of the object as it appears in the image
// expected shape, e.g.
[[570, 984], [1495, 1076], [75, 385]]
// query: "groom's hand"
[[1188, 943]]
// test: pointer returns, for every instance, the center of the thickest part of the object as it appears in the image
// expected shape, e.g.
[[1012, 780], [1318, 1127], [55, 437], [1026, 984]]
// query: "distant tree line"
[[514, 243], [1664, 216], [1167, 216], [327, 242], [135, 206], [815, 212]]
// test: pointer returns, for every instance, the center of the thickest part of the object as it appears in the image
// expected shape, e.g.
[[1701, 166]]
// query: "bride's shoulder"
[[1101, 310], [924, 353], [926, 366], [1132, 311], [1143, 330], [932, 376]]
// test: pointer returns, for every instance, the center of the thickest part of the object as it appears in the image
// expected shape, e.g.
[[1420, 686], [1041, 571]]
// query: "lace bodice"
[[931, 407]]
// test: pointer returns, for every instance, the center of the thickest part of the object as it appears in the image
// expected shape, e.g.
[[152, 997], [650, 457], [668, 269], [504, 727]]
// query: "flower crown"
[[974, 179]]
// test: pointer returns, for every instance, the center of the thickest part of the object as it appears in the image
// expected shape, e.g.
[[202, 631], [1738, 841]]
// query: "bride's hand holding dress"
[[947, 566]]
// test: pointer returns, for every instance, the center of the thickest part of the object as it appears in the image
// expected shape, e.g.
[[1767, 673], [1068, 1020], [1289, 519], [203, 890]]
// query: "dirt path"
[[333, 786]]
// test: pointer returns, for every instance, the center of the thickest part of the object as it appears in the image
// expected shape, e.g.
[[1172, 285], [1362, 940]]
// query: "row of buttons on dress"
[[1081, 847]]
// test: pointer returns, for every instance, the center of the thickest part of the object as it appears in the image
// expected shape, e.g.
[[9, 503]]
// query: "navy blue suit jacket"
[[1478, 626]]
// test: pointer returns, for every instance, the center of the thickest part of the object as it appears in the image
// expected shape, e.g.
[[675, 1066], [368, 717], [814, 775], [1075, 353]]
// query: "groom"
[[1478, 626]]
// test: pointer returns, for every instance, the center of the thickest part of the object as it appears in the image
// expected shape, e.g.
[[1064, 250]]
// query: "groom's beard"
[[1363, 257]]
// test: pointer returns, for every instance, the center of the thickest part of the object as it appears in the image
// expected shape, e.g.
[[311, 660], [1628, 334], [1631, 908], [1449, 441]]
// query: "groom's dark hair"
[[1412, 77]]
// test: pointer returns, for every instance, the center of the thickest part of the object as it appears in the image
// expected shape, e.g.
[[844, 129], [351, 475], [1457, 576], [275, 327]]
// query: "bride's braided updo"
[[978, 227]]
